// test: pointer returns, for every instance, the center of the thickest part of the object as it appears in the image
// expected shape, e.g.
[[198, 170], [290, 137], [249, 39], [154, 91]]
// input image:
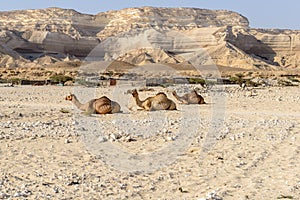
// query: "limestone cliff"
[[144, 35]]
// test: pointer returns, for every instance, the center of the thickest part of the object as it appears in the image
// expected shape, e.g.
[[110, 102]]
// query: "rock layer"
[[144, 35]]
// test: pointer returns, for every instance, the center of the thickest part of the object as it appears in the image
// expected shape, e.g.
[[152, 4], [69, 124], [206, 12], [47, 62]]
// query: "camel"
[[103, 105], [190, 98], [158, 102]]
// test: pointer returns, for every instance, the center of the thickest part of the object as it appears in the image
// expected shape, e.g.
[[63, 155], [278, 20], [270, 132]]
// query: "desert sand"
[[243, 144]]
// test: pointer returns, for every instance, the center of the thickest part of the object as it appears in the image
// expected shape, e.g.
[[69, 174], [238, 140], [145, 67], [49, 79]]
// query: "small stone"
[[56, 189], [129, 139], [102, 139], [123, 186], [3, 195], [279, 99], [18, 194], [171, 138], [115, 136], [213, 196], [67, 141]]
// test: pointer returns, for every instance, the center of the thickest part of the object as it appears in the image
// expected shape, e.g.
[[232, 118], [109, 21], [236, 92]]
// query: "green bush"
[[197, 81], [251, 83], [61, 78], [15, 81], [236, 80]]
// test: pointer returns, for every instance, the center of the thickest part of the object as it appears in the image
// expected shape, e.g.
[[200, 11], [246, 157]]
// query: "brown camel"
[[158, 102], [103, 105], [190, 98]]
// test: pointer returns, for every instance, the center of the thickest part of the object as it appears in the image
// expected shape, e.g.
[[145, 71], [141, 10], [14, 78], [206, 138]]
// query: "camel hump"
[[102, 105], [103, 108], [161, 93], [160, 96], [104, 98]]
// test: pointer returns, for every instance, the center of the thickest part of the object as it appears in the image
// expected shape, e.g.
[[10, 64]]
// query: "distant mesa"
[[42, 38]]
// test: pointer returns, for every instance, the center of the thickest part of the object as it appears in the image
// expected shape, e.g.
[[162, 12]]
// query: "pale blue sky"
[[283, 14]]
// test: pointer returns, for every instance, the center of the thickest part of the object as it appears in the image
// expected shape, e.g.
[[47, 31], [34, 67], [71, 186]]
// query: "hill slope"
[[168, 34]]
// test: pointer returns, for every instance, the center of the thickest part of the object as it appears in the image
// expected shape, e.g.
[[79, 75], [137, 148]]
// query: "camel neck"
[[77, 103], [138, 101], [176, 96]]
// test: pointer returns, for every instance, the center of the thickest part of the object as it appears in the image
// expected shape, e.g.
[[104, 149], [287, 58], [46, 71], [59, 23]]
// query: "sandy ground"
[[50, 150]]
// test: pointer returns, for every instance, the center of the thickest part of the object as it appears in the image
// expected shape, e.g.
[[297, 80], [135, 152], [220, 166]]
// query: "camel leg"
[[147, 105], [172, 106], [184, 102]]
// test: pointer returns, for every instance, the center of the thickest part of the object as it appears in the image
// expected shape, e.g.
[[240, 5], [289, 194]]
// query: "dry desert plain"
[[240, 145]]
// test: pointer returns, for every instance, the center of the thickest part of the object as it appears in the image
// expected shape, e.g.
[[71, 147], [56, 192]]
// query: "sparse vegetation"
[[82, 81], [237, 80], [285, 83], [285, 197], [64, 110], [197, 81], [293, 79], [61, 78], [165, 85], [202, 82], [250, 83], [240, 80], [15, 81]]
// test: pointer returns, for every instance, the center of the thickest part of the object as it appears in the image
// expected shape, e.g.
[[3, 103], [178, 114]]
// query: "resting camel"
[[190, 98], [103, 105], [158, 102]]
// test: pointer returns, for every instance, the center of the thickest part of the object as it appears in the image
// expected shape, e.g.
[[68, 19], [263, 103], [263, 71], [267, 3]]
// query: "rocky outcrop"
[[166, 19], [144, 35], [284, 46]]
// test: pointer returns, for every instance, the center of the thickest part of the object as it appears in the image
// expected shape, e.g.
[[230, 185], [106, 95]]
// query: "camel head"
[[134, 93], [70, 97]]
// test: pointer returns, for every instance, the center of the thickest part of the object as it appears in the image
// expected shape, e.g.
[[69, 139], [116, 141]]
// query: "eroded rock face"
[[166, 18], [144, 35], [285, 45]]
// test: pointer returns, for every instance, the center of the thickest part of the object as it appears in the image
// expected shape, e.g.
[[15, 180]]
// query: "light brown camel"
[[190, 98], [103, 105], [158, 102]]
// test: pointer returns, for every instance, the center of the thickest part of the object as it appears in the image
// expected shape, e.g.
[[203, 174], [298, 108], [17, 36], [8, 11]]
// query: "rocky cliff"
[[39, 38]]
